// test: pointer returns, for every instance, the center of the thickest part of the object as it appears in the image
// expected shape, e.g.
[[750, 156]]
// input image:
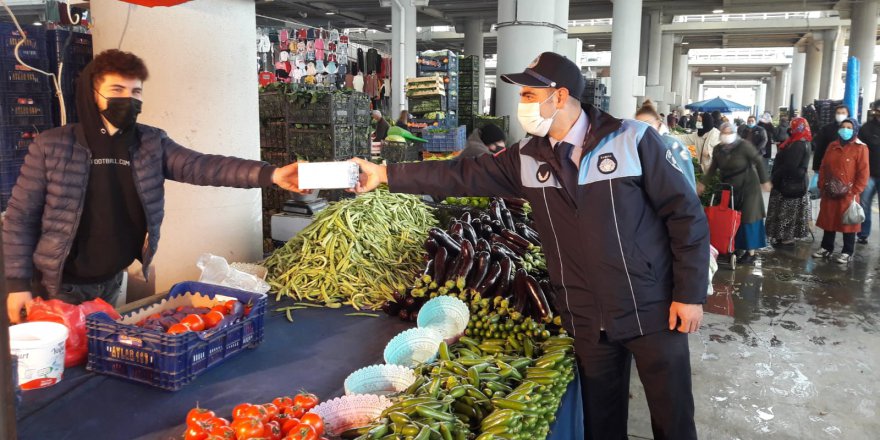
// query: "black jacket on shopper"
[[821, 141], [870, 135]]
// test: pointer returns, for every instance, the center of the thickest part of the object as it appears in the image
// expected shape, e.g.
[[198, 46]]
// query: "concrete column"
[[813, 68], [222, 221], [666, 53], [474, 45], [403, 50], [675, 83], [760, 102], [560, 10], [836, 88], [770, 96], [654, 50], [862, 41], [681, 86], [624, 56], [782, 87], [701, 91], [798, 62], [829, 60], [877, 89], [644, 44], [518, 45], [695, 86]]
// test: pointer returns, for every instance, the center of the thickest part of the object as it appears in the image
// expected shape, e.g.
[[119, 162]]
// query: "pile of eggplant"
[[486, 253]]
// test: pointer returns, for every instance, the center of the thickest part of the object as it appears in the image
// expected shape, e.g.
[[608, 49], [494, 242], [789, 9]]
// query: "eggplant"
[[539, 305], [403, 314], [445, 240], [501, 202], [549, 293], [528, 233], [429, 269], [515, 238], [481, 268], [497, 226], [514, 203], [477, 224], [490, 279], [486, 231], [485, 219], [409, 302], [398, 297], [391, 308], [466, 262], [466, 218], [502, 285], [483, 245], [507, 219], [495, 210], [521, 292], [431, 245], [440, 265], [468, 232], [496, 239], [414, 316], [456, 228], [453, 267], [500, 251]]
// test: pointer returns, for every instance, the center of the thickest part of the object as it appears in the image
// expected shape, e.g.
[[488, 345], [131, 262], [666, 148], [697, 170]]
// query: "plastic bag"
[[813, 188], [855, 214], [215, 270], [74, 318]]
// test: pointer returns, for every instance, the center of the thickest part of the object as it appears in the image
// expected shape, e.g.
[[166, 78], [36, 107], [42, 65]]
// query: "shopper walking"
[[595, 183], [403, 120], [647, 113], [757, 136], [781, 134], [740, 165], [90, 197], [788, 214], [766, 122], [827, 134], [870, 135], [489, 139], [710, 137], [843, 176], [382, 126]]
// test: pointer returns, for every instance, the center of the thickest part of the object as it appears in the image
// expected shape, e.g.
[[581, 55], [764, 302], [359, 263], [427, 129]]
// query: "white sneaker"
[[822, 253], [844, 259]]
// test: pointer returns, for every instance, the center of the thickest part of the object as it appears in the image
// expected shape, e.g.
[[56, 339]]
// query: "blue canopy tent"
[[717, 104]]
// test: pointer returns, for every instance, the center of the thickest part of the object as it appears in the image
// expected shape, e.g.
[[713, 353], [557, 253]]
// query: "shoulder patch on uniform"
[[671, 159], [607, 163], [544, 172]]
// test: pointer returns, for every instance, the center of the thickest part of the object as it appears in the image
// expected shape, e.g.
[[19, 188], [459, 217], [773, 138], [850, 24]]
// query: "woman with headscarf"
[[741, 166], [717, 119], [843, 176], [788, 214], [710, 137]]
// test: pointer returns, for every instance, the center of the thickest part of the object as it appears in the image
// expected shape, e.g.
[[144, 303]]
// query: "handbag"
[[793, 187], [854, 215], [835, 189]]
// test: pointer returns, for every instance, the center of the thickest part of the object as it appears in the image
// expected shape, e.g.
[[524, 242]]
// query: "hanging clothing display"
[[311, 34], [319, 49], [302, 35], [349, 81], [334, 35], [358, 82], [283, 36], [264, 46], [387, 87], [360, 61]]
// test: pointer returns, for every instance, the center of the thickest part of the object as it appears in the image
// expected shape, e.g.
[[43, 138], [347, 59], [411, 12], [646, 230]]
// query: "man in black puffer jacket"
[[870, 135], [90, 196]]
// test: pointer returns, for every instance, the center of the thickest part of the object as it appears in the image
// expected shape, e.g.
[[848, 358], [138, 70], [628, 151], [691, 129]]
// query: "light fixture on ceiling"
[[37, 23], [329, 13], [591, 46], [718, 11], [418, 28], [684, 43], [716, 70], [388, 26]]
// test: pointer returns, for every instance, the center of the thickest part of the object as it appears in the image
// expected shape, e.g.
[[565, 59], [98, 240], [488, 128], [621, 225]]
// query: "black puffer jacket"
[[47, 200]]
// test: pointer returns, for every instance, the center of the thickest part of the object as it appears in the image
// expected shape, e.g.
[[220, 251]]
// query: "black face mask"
[[122, 112]]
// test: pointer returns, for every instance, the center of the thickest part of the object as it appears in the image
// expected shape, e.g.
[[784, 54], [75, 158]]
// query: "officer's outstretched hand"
[[690, 316], [288, 178], [372, 176]]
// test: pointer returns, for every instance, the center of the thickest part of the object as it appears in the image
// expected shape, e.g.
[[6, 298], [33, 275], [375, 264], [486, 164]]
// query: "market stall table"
[[315, 353]]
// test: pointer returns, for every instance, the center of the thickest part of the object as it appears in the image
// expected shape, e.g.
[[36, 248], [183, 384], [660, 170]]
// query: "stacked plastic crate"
[[468, 90], [25, 100], [74, 50], [595, 93], [444, 65]]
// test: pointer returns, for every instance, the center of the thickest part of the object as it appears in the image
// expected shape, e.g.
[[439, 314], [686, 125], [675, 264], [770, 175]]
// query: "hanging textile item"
[[319, 49], [283, 36], [264, 45], [302, 35], [343, 39], [334, 35], [332, 68], [358, 82], [312, 34], [360, 61]]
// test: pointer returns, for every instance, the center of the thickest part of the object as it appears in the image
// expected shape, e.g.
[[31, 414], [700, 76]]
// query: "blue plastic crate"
[[15, 77], [16, 140], [10, 166], [77, 52], [454, 139], [171, 361], [25, 109], [32, 51]]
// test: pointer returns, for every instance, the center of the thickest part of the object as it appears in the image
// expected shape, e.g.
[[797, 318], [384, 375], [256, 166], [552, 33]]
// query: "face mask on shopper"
[[839, 118], [845, 133], [699, 125], [529, 115], [122, 112], [728, 139]]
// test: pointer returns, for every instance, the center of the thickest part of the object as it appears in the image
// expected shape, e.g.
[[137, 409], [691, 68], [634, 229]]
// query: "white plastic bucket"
[[40, 350]]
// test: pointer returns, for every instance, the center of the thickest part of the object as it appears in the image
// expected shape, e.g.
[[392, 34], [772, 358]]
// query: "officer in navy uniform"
[[625, 237]]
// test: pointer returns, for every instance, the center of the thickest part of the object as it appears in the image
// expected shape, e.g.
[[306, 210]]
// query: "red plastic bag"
[[74, 318]]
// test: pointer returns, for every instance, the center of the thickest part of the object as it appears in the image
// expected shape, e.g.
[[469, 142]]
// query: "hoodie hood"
[[90, 122]]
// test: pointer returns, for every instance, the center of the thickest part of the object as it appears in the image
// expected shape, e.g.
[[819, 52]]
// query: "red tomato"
[[238, 411], [212, 318], [230, 305], [302, 432], [219, 421], [257, 412], [305, 401], [247, 310], [273, 431], [219, 308], [283, 402], [195, 433], [295, 411], [248, 429], [194, 322], [315, 421], [272, 410], [225, 432], [198, 415], [177, 329], [288, 425]]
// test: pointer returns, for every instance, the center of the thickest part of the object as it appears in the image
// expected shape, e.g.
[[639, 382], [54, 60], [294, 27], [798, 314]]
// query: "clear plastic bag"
[[216, 270]]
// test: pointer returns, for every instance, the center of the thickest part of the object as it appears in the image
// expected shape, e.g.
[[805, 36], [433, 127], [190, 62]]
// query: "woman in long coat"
[[741, 165], [788, 215], [843, 176]]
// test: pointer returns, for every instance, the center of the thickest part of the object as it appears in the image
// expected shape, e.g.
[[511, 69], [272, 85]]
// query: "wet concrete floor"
[[789, 349]]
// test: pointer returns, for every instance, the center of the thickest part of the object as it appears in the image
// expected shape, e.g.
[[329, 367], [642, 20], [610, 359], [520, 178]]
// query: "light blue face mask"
[[751, 124], [845, 133]]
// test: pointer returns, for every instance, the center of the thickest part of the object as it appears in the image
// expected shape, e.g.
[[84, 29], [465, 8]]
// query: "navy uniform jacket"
[[626, 241]]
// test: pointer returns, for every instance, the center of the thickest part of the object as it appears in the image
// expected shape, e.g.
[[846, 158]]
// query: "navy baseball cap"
[[550, 70]]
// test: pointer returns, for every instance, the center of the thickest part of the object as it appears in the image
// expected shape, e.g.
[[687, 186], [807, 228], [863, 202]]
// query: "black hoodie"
[[113, 226]]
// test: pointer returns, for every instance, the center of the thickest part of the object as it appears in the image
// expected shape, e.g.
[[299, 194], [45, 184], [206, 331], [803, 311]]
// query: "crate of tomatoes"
[[284, 418], [166, 342]]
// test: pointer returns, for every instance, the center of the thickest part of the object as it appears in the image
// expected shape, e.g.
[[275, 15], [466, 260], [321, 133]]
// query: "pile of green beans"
[[356, 252]]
